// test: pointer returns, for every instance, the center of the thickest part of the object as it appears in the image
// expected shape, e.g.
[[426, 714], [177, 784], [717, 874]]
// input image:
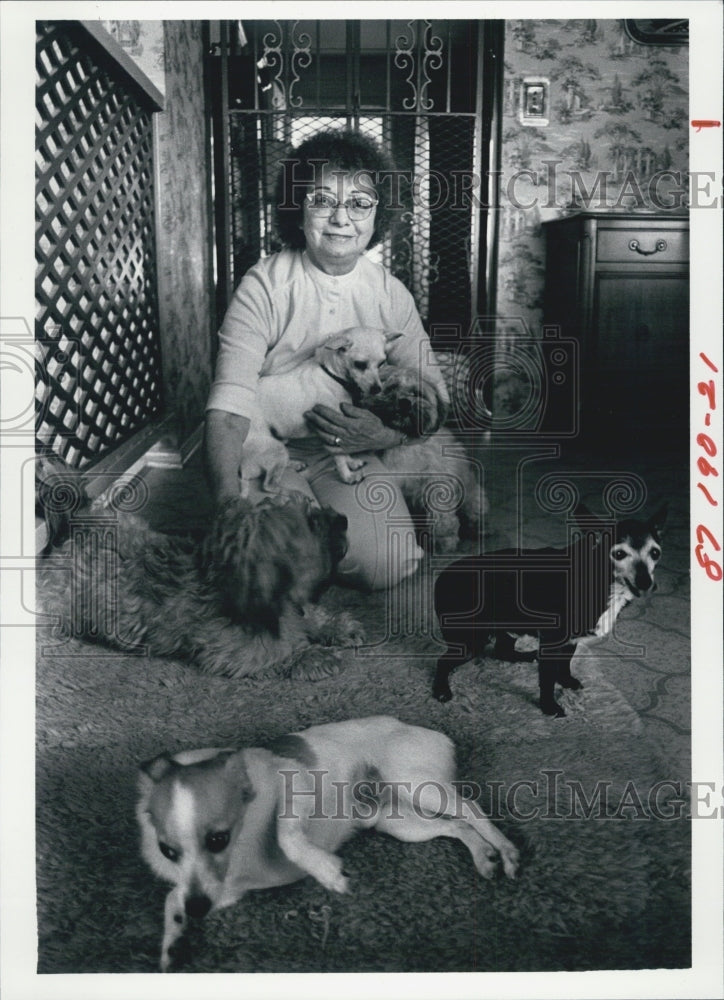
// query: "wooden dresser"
[[618, 283]]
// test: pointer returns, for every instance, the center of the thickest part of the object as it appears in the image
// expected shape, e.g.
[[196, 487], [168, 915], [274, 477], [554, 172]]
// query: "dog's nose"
[[643, 580], [374, 389], [197, 906]]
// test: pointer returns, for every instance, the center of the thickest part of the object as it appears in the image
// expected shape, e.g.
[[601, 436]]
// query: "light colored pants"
[[382, 549]]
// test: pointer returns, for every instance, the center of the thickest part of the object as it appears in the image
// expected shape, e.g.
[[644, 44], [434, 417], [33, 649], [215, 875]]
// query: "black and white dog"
[[556, 595]]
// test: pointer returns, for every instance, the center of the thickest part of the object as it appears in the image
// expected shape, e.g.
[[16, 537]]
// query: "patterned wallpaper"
[[617, 112], [185, 280], [143, 42]]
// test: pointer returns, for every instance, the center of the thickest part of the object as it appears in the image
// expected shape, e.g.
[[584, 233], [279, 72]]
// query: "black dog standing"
[[557, 595]]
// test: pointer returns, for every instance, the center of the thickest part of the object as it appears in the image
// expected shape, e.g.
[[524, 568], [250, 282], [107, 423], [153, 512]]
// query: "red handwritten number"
[[712, 568], [707, 389], [706, 468], [707, 494], [708, 362], [701, 530], [707, 444]]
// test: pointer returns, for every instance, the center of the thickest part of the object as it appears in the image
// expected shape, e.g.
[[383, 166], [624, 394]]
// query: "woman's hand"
[[350, 430]]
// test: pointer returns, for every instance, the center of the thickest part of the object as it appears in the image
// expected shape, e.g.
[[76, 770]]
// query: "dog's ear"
[[246, 567], [339, 343], [157, 768], [271, 477], [657, 521], [235, 769], [323, 519]]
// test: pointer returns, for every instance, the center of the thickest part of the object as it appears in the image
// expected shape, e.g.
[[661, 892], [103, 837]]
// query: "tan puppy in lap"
[[346, 364]]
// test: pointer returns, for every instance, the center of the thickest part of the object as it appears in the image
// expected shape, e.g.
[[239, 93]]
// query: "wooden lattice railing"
[[97, 334]]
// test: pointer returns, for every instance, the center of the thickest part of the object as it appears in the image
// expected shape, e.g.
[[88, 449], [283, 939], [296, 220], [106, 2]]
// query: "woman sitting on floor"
[[333, 204]]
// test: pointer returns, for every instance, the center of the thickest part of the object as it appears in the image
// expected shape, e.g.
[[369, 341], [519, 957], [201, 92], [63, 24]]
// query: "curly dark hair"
[[343, 150]]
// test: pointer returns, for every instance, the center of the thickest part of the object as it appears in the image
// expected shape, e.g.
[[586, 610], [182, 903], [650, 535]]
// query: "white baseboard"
[[152, 448]]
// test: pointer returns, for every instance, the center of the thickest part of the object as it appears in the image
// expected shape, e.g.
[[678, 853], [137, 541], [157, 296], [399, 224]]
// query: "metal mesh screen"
[[97, 332], [431, 246]]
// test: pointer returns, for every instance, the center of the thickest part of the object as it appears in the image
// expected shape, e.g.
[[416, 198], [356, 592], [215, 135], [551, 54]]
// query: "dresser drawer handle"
[[635, 245]]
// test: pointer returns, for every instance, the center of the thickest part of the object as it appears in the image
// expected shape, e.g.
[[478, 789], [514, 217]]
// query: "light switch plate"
[[534, 99]]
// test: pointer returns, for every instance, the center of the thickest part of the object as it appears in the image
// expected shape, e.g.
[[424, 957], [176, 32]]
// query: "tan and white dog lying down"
[[219, 822]]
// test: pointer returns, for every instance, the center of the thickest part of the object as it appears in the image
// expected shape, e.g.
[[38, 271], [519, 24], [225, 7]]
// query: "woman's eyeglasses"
[[358, 207]]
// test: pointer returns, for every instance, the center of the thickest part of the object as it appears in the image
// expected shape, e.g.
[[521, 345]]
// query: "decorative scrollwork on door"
[[419, 57], [300, 58]]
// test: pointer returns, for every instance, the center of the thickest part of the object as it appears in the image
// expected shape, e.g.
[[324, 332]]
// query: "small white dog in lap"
[[346, 365]]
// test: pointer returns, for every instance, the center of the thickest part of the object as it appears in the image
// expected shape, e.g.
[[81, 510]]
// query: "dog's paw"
[[339, 629], [486, 857], [553, 709], [485, 860], [441, 691], [510, 858], [331, 876], [176, 955], [344, 630], [353, 473], [315, 664]]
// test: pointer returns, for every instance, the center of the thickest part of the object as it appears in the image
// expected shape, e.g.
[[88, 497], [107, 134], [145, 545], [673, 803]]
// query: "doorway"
[[425, 90]]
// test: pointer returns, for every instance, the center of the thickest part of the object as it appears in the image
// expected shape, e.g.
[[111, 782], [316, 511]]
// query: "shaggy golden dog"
[[239, 602]]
